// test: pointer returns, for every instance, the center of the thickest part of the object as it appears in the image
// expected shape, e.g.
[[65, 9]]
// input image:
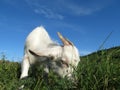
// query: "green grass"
[[97, 71]]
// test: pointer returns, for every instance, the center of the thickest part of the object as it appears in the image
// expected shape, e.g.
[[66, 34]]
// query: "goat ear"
[[34, 53], [43, 53], [49, 52]]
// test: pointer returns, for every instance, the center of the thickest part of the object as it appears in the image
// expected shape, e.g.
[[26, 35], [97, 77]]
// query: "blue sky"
[[85, 22]]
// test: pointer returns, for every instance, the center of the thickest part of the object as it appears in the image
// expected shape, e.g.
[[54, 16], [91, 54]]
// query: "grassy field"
[[97, 71]]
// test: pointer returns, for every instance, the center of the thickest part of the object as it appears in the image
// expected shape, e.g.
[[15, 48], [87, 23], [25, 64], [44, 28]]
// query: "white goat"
[[40, 48]]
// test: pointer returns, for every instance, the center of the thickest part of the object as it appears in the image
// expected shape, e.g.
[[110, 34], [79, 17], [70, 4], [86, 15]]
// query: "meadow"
[[99, 70]]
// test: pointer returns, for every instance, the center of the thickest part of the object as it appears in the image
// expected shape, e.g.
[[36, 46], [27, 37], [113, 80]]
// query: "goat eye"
[[64, 63]]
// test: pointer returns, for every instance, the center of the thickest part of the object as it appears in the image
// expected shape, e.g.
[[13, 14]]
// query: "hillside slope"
[[97, 71], [111, 54]]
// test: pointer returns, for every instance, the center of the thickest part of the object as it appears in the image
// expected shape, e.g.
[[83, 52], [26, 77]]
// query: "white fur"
[[40, 42]]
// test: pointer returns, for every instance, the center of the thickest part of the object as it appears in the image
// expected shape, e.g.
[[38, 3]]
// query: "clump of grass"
[[100, 74], [9, 75], [97, 71]]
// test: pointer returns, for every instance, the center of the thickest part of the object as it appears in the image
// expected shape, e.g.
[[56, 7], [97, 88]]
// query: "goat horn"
[[64, 40]]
